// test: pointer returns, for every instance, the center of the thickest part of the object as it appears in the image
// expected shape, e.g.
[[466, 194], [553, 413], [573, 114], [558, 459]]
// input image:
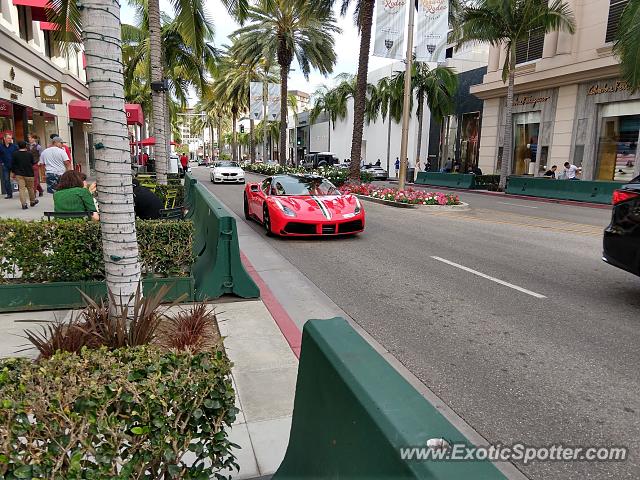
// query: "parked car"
[[322, 159], [378, 173], [622, 236], [302, 205], [225, 171]]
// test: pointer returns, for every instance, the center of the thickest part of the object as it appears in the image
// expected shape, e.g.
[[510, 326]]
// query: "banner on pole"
[[433, 26], [273, 110], [390, 28], [256, 100]]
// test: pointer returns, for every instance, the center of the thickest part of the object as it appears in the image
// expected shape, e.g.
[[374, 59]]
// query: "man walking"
[[7, 147], [56, 162], [36, 149], [570, 171], [397, 166], [22, 170], [65, 147]]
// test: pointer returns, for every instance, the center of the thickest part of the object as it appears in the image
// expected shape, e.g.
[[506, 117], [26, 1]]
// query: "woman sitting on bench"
[[72, 197]]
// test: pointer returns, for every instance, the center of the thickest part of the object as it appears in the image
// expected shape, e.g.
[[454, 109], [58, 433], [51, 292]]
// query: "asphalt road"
[[550, 357]]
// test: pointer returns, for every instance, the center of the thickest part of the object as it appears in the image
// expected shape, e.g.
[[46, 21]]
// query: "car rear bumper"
[[610, 245]]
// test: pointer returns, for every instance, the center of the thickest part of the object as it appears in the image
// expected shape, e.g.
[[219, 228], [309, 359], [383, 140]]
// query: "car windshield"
[[303, 186], [227, 164]]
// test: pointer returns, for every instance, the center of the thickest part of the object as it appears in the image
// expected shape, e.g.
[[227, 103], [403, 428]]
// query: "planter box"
[[381, 201], [19, 297]]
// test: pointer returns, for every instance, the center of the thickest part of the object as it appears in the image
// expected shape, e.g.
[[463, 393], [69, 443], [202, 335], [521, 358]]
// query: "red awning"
[[38, 8], [6, 109], [80, 110], [134, 114], [149, 142]]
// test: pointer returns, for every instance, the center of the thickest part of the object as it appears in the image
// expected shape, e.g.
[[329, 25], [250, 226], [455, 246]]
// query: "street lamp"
[[407, 100]]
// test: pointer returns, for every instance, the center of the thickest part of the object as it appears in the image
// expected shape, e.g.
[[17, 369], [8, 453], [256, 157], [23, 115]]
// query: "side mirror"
[[254, 188]]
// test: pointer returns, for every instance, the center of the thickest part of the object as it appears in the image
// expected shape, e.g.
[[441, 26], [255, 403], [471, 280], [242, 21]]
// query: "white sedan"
[[226, 172]]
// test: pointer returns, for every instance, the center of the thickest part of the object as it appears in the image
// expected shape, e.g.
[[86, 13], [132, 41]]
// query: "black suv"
[[622, 236], [315, 160]]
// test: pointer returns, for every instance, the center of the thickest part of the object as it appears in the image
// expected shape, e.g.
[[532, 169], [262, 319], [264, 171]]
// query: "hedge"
[[71, 250], [487, 182], [130, 413], [337, 176]]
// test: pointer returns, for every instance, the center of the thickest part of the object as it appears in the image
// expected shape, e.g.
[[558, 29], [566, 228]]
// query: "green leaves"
[[106, 423], [71, 250]]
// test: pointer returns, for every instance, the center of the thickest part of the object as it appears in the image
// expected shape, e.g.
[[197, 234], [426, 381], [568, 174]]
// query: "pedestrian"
[[65, 147], [457, 166], [36, 149], [22, 170], [397, 166], [71, 196], [448, 166], [184, 161], [56, 163], [571, 171], [7, 147], [418, 165], [427, 165], [147, 204], [378, 163], [551, 173]]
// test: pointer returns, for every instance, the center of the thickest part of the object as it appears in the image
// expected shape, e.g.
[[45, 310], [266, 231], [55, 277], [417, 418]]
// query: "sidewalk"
[[11, 208], [264, 376]]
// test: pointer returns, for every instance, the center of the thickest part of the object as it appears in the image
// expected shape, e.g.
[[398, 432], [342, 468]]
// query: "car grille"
[[328, 229], [300, 228], [350, 227], [229, 174]]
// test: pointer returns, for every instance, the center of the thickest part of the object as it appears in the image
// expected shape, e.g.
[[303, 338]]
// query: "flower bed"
[[409, 196]]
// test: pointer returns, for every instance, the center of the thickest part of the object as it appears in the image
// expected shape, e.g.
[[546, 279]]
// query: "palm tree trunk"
[[252, 141], [420, 123], [284, 80], [158, 98], [234, 138], [359, 101], [329, 147], [101, 19], [210, 140], [389, 146], [219, 135], [507, 152]]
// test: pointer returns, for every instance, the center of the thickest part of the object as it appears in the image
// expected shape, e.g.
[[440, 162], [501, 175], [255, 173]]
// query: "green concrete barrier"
[[353, 412], [450, 180], [218, 269], [576, 190]]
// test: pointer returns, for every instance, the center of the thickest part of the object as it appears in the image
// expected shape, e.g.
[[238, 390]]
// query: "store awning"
[[6, 109], [38, 8], [80, 110], [149, 142]]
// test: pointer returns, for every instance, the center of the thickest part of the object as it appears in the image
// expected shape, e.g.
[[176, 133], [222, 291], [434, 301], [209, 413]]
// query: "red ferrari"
[[302, 205]]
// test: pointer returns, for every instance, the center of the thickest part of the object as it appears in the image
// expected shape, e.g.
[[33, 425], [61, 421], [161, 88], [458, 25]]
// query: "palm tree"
[[99, 22], [288, 29], [439, 86], [505, 24], [627, 45], [196, 30], [333, 102]]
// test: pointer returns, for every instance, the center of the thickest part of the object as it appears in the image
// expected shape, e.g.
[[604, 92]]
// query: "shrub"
[[195, 329], [71, 250], [487, 182], [129, 413]]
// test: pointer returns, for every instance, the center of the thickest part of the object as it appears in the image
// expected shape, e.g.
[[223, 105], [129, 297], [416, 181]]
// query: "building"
[[28, 54], [303, 99], [190, 136], [569, 102]]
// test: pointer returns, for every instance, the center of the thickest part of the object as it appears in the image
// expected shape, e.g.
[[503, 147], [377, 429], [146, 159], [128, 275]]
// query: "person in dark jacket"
[[146, 203], [22, 170], [7, 147]]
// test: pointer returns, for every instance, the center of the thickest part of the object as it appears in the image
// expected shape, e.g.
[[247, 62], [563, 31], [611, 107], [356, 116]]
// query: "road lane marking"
[[493, 279], [517, 205]]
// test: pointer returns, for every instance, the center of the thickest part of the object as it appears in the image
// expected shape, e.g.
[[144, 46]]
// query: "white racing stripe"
[[323, 207], [493, 279]]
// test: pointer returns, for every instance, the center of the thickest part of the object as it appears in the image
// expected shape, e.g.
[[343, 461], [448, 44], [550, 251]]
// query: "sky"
[[347, 44]]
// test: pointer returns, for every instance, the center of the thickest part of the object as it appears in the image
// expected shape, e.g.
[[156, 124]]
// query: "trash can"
[[411, 173]]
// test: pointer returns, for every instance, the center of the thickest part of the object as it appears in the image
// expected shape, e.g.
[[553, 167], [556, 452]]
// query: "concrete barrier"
[[218, 269], [576, 190], [450, 180], [353, 413]]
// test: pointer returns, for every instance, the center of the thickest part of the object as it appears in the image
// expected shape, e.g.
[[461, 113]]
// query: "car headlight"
[[286, 210], [358, 207]]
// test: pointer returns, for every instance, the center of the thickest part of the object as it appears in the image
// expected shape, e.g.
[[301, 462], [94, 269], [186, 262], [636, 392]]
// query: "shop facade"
[[25, 61], [570, 104]]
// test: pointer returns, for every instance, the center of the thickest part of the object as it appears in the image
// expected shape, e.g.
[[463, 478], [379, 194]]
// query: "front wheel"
[[247, 214], [266, 219]]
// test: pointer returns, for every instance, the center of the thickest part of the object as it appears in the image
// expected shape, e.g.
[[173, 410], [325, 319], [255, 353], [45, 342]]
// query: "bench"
[[68, 215]]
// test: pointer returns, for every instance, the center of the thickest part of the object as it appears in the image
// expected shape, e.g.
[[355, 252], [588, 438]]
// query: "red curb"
[[511, 195], [287, 326]]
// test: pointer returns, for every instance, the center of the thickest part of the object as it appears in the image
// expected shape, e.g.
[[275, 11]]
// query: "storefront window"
[[526, 131], [469, 140], [619, 131], [448, 141]]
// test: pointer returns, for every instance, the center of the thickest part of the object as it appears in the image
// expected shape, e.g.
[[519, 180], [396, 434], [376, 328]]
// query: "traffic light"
[[241, 128]]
